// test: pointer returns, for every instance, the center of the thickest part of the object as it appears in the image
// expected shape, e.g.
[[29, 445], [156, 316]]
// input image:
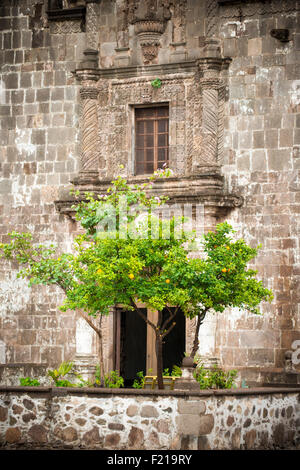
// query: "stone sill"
[[98, 392]]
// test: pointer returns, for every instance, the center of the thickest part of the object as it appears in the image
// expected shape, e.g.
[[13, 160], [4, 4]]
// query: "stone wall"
[[257, 150], [34, 418], [39, 139], [261, 162]]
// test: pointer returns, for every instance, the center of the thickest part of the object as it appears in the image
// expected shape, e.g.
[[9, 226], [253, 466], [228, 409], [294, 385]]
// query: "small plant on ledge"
[[29, 382], [113, 380], [156, 83], [214, 378]]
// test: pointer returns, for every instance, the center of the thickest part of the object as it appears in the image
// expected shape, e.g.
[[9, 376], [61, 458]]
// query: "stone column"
[[89, 91]]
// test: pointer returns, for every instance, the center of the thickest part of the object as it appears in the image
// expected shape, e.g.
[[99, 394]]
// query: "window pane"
[[139, 142], [139, 169], [161, 155], [149, 155], [149, 167], [139, 155], [149, 127], [163, 111], [150, 141], [149, 112], [162, 140], [140, 127], [162, 125]]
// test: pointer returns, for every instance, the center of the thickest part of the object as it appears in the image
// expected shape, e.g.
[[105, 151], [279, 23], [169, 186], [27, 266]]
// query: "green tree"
[[124, 258]]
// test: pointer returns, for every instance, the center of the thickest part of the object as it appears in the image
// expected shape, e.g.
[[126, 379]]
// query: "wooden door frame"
[[151, 362]]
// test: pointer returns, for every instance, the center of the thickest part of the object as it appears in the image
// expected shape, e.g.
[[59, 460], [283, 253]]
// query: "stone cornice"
[[142, 70], [134, 71], [206, 189], [98, 392]]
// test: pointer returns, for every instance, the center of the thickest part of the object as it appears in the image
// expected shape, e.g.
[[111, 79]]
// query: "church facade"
[[93, 89]]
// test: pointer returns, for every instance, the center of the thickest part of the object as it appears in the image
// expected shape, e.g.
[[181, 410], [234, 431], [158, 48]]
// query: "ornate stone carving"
[[89, 118], [89, 138], [211, 138], [212, 18], [250, 8], [65, 27], [92, 12], [178, 11], [149, 33], [66, 21]]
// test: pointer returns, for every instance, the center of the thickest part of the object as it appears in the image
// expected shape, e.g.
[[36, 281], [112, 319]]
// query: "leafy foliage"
[[58, 375], [139, 381], [156, 83], [113, 380], [214, 378], [29, 382], [176, 372]]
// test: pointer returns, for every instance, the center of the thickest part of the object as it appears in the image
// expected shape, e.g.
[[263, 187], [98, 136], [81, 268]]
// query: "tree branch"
[[144, 317], [172, 315]]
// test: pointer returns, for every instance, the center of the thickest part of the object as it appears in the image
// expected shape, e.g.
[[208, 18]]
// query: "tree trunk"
[[159, 359], [101, 358], [200, 319]]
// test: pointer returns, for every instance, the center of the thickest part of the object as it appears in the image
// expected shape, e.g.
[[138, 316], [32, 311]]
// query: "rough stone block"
[[259, 160], [279, 159], [254, 46], [11, 80], [286, 138], [188, 425], [191, 407], [258, 139]]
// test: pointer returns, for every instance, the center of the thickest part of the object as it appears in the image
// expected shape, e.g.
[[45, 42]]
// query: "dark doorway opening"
[[174, 343], [133, 345], [131, 342]]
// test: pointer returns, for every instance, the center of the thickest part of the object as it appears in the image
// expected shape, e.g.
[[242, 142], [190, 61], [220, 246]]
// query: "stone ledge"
[[206, 189], [58, 391]]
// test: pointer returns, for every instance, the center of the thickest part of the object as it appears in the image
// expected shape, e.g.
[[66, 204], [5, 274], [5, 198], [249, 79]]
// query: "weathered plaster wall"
[[128, 419]]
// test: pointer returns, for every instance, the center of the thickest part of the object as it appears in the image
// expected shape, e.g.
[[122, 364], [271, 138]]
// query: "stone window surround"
[[139, 92]]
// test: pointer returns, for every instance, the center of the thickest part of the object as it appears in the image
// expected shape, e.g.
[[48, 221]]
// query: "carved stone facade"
[[72, 75]]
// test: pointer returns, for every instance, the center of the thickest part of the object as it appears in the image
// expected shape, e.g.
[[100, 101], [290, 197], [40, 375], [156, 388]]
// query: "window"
[[151, 139]]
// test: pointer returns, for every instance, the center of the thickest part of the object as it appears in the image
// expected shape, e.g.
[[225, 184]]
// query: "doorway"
[[134, 344]]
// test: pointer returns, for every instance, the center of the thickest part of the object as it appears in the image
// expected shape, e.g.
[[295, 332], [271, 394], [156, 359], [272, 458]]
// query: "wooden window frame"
[[155, 118]]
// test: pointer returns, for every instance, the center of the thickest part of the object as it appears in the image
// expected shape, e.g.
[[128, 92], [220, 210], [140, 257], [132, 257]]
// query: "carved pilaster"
[[92, 12], [89, 92], [212, 7], [211, 85]]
